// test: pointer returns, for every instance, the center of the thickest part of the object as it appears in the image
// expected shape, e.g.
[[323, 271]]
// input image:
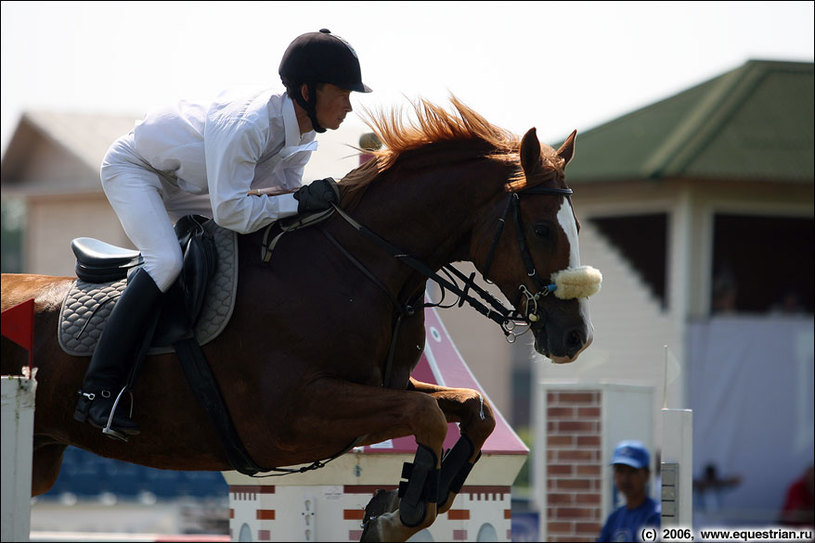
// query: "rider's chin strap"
[[310, 105]]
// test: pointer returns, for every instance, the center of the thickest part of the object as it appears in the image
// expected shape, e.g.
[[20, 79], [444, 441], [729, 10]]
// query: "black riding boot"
[[114, 356]]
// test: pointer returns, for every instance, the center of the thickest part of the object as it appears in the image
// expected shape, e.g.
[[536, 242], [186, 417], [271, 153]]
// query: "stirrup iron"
[[108, 430]]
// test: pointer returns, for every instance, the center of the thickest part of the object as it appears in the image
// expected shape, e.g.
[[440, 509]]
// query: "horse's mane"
[[432, 124]]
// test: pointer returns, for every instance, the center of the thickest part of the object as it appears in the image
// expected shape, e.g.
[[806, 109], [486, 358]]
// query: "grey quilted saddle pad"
[[87, 306]]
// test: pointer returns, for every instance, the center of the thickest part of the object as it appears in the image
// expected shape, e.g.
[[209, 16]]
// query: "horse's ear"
[[530, 152], [566, 151]]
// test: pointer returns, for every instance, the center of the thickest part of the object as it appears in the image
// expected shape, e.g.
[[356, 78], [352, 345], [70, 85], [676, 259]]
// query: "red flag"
[[18, 325]]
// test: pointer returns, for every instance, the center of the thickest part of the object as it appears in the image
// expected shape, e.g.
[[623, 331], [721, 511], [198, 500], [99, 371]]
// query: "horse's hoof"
[[372, 532], [383, 502]]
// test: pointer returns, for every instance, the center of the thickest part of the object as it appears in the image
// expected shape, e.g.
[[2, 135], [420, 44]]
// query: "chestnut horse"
[[302, 362]]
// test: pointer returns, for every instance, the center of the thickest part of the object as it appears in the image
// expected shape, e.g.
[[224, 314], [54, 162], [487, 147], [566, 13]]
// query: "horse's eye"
[[542, 230]]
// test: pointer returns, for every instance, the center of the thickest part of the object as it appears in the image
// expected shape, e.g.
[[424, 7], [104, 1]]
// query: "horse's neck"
[[430, 214]]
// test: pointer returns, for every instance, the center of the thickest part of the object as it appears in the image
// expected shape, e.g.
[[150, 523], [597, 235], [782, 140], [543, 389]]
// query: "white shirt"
[[227, 147]]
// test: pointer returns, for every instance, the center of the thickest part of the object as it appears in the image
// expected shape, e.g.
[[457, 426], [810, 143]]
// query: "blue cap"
[[632, 453]]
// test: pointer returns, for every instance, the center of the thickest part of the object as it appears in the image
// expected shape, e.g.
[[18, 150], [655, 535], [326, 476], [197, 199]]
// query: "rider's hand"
[[317, 195]]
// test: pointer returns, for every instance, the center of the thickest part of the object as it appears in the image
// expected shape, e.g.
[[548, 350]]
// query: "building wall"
[[335, 512], [328, 504], [49, 166], [631, 327], [53, 221]]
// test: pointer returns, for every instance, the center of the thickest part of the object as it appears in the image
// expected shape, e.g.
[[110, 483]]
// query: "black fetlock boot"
[[421, 487], [455, 467], [113, 358]]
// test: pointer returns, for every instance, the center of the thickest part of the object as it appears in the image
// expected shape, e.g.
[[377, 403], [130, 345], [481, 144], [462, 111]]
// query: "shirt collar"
[[293, 136]]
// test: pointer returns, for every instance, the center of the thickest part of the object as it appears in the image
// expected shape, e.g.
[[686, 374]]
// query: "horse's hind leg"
[[46, 462], [476, 422]]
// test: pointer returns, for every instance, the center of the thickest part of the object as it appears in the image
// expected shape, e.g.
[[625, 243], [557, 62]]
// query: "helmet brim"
[[360, 87]]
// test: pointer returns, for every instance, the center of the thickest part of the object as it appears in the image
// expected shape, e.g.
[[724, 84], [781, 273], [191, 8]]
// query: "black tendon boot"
[[114, 355]]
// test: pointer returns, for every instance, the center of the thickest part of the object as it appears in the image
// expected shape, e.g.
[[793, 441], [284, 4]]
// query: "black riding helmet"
[[319, 57]]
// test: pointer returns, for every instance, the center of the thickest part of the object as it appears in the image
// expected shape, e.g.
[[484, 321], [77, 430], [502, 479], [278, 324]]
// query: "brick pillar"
[[573, 464]]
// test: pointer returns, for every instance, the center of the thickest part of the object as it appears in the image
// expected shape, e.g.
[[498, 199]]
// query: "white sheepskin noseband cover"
[[580, 282]]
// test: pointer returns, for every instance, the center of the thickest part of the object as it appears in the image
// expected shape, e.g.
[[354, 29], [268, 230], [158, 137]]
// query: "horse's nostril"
[[575, 339]]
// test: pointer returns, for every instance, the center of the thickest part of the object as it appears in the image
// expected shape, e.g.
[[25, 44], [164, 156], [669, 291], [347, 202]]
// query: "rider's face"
[[333, 104]]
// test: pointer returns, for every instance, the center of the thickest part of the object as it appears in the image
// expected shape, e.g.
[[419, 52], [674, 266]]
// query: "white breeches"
[[140, 199]]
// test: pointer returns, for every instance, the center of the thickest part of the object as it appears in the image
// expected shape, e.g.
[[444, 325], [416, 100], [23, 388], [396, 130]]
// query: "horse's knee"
[[481, 421], [429, 421]]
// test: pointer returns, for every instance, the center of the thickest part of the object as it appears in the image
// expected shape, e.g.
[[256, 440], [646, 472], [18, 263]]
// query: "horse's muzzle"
[[564, 346]]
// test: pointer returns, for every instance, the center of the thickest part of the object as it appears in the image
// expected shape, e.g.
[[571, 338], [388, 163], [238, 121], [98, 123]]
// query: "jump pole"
[[18, 428]]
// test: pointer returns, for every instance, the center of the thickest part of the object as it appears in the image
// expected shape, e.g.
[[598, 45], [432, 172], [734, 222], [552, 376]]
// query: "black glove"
[[317, 195]]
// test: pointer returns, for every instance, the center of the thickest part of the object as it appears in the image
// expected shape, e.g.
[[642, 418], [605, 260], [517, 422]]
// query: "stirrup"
[[108, 430]]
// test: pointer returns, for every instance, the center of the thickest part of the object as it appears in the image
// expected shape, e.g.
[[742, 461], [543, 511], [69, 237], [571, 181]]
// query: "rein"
[[497, 312], [488, 305]]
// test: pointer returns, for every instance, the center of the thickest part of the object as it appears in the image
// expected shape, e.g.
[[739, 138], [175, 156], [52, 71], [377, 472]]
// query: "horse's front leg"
[[476, 421], [333, 409]]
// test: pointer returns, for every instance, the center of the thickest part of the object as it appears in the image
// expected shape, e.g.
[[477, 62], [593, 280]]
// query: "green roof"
[[752, 123]]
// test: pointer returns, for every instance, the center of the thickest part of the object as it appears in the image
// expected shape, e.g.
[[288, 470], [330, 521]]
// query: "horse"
[[318, 353]]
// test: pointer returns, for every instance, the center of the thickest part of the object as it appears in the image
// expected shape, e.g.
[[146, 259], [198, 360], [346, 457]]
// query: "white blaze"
[[565, 217]]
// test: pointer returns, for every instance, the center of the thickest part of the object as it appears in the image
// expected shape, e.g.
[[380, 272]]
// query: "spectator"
[[799, 505], [368, 143], [725, 291], [788, 303], [631, 464], [710, 489]]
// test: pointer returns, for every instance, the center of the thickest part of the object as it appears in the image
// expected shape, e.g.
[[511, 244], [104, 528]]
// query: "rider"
[[205, 158]]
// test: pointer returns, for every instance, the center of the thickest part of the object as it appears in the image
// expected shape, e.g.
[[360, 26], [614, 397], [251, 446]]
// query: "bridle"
[[532, 313], [488, 305]]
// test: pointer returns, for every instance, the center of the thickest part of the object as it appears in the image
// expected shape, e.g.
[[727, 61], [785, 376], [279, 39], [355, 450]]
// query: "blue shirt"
[[625, 524]]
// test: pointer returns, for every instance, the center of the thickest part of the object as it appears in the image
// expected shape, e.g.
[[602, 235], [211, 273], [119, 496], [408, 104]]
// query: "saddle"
[[100, 262]]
